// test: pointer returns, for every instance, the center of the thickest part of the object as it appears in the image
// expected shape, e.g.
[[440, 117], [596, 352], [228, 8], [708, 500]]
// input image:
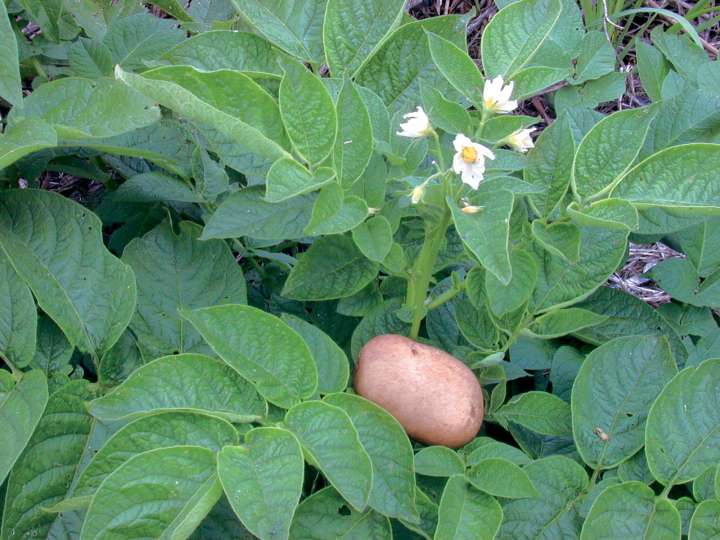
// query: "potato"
[[434, 396]]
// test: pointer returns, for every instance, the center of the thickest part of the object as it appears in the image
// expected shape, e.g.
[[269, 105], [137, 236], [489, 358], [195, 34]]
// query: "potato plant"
[[276, 183]]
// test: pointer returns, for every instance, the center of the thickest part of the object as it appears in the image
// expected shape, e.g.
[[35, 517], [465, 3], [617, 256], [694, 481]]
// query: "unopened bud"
[[417, 194], [471, 209]]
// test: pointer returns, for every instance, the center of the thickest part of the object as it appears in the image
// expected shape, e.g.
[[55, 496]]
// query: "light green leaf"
[[209, 386], [334, 213], [263, 480], [705, 522], [402, 62], [247, 213], [160, 430], [352, 31], [226, 49], [631, 510], [307, 112], [609, 149], [501, 478], [554, 513], [652, 69], [682, 437], [539, 412], [25, 137], [331, 362], [428, 511], [354, 142], [18, 317], [486, 233], [515, 35], [10, 83], [505, 298], [614, 389], [680, 280], [457, 67], [262, 348], [325, 516], [287, 178], [561, 322], [382, 319], [607, 213], [374, 238], [176, 271], [55, 245], [155, 187], [445, 114], [439, 461], [559, 238], [183, 477], [661, 180], [174, 8], [83, 108], [292, 25], [331, 441], [390, 451], [549, 165], [46, 469], [466, 514], [595, 58], [332, 268], [20, 410], [485, 448]]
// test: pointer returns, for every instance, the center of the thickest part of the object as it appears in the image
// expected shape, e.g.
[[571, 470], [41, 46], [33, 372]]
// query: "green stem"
[[666, 490], [446, 297], [13, 369], [438, 151], [594, 477]]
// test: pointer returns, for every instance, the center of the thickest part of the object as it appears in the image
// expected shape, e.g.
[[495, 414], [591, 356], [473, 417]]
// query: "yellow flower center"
[[469, 154]]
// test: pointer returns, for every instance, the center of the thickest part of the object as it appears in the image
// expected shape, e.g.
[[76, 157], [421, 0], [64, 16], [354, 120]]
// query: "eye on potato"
[[434, 396]]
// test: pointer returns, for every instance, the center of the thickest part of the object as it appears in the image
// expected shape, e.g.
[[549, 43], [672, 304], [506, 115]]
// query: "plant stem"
[[446, 296], [666, 490], [438, 151], [594, 477]]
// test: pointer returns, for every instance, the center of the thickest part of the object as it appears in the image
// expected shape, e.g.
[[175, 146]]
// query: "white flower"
[[417, 125], [496, 97], [469, 160], [520, 140], [417, 193]]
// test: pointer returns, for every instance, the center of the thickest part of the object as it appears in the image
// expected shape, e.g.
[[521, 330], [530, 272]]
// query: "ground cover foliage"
[[178, 336]]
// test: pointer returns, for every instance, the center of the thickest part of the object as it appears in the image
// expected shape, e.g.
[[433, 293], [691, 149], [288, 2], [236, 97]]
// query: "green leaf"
[[53, 351], [292, 25], [559, 238], [701, 244], [10, 83], [18, 317], [682, 437], [444, 113], [183, 477], [307, 112], [549, 165], [216, 389], [608, 151], [166, 267], [457, 67], [263, 480], [331, 362], [332, 268], [247, 213], [287, 178], [439, 461], [561, 322], [83, 108], [354, 142], [595, 58], [382, 319], [160, 430], [226, 49], [660, 180], [606, 213], [652, 69], [262, 348], [614, 389], [352, 31], [680, 280], [383, 438], [486, 233], [332, 443], [21, 407], [501, 478], [374, 238], [631, 510], [515, 35], [325, 516], [505, 298], [155, 187], [55, 245], [203, 99], [554, 513], [25, 137], [403, 62], [466, 514], [705, 522], [485, 448], [538, 411], [46, 469], [334, 213], [174, 8]]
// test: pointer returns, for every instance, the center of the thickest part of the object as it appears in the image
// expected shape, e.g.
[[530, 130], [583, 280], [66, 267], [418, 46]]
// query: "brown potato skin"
[[434, 396]]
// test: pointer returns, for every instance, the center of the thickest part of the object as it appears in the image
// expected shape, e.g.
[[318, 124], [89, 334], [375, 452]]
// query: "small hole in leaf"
[[629, 414], [176, 352], [344, 510]]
